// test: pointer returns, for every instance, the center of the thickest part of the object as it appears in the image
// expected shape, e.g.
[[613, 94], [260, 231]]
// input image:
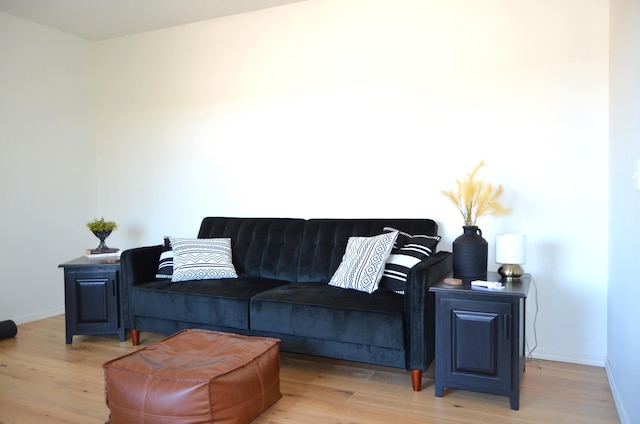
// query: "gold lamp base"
[[510, 271]]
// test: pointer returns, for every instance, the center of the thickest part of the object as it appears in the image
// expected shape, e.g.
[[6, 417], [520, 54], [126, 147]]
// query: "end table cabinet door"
[[92, 306], [478, 355]]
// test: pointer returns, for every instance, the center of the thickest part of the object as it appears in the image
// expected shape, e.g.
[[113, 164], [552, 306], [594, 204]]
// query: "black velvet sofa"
[[283, 268]]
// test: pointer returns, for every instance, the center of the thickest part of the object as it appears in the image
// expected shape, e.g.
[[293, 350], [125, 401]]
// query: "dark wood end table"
[[92, 297], [480, 337]]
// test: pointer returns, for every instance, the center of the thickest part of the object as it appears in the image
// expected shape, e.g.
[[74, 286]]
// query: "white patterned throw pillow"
[[201, 259], [363, 262]]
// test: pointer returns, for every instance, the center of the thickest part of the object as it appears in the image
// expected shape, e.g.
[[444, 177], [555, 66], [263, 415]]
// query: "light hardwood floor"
[[43, 380]]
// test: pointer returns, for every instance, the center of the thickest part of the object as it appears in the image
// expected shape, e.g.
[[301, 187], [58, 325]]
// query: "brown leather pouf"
[[193, 377]]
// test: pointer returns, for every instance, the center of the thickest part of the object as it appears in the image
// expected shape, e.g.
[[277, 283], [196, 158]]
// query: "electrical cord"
[[529, 355]]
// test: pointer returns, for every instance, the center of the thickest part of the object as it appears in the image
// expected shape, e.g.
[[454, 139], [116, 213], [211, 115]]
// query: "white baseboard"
[[593, 360], [23, 319], [624, 419]]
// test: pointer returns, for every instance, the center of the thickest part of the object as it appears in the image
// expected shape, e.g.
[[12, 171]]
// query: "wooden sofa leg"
[[135, 337], [416, 379]]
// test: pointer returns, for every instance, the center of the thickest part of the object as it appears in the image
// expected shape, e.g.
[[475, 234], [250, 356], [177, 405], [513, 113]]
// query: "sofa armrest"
[[420, 309], [137, 266]]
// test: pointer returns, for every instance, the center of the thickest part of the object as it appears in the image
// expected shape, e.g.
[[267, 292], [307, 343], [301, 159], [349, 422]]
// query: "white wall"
[[368, 109], [47, 164], [624, 210]]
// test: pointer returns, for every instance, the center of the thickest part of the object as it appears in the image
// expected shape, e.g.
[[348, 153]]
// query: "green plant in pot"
[[101, 229]]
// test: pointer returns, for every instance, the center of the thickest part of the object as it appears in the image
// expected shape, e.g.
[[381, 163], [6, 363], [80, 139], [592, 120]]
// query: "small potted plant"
[[101, 229]]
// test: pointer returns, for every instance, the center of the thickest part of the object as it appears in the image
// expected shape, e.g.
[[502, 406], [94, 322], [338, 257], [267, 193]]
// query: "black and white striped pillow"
[[165, 267], [407, 252]]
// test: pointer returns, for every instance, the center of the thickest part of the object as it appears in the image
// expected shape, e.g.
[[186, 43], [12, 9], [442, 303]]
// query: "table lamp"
[[510, 253]]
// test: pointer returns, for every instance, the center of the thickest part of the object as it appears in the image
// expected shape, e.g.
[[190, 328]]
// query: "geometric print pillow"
[[201, 259], [363, 262], [165, 267], [409, 250]]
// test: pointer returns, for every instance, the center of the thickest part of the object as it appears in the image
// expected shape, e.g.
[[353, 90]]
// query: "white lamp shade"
[[510, 249]]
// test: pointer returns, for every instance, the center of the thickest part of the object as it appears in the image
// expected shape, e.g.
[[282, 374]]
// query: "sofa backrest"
[[325, 240], [261, 247], [298, 250]]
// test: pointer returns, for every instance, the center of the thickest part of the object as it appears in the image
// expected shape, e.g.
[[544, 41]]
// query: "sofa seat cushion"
[[331, 313], [223, 303]]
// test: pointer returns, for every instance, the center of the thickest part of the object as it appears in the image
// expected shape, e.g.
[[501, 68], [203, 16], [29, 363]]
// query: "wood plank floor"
[[43, 380]]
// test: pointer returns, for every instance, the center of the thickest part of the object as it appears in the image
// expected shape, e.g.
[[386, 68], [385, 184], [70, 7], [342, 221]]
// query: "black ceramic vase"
[[102, 235], [470, 255]]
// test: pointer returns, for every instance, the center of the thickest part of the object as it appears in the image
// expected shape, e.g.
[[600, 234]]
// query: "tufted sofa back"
[[261, 247], [298, 250]]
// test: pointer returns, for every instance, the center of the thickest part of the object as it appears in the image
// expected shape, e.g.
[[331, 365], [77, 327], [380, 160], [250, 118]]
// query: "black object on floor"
[[8, 329]]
